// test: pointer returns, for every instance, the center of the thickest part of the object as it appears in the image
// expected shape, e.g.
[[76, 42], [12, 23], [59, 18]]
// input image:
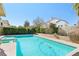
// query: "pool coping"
[[66, 43]]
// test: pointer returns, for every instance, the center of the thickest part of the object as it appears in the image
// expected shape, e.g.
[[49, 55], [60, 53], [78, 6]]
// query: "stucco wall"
[[4, 23]]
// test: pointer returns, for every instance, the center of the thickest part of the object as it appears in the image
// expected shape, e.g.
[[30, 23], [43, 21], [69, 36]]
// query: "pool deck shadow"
[[2, 53]]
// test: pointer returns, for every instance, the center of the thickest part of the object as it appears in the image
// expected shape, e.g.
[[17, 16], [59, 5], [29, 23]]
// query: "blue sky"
[[17, 13]]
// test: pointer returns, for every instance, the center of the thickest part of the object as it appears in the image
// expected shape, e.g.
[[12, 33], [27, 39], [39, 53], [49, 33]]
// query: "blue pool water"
[[31, 45]]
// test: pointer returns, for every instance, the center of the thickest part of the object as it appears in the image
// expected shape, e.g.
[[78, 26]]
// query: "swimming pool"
[[31, 45]]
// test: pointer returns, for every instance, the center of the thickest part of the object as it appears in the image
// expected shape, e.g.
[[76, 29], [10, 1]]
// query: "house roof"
[[53, 18], [58, 20], [63, 21]]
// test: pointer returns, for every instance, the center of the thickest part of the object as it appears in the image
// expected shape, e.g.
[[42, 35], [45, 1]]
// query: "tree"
[[53, 28], [2, 11], [38, 23], [74, 33], [26, 24], [76, 8]]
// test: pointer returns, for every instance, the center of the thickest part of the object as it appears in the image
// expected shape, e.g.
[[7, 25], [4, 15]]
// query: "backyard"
[[45, 37]]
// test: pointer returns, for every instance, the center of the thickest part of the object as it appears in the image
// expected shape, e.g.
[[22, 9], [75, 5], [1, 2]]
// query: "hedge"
[[18, 30]]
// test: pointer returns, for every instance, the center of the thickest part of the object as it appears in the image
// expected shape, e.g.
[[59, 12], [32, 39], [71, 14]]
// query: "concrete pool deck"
[[9, 48], [67, 42]]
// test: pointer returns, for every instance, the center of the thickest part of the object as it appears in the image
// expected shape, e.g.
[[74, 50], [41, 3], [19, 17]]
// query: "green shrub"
[[42, 30], [27, 30], [21, 30], [9, 31], [17, 30], [1, 31], [52, 29], [37, 29], [32, 30]]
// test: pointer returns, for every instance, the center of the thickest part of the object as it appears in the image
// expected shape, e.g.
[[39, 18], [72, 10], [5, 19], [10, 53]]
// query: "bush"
[[17, 30], [52, 28], [26, 30], [37, 29], [21, 30], [9, 31], [42, 30], [74, 35], [32, 30], [62, 32], [1, 31]]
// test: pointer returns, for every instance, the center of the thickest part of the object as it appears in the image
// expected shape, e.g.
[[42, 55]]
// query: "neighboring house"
[[58, 22], [52, 20], [4, 23], [61, 24]]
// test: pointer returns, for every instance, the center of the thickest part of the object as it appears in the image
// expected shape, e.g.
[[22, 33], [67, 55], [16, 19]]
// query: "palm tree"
[[76, 8], [74, 33], [2, 11]]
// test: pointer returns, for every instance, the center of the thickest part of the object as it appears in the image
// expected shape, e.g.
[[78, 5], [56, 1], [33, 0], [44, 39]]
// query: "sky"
[[17, 13]]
